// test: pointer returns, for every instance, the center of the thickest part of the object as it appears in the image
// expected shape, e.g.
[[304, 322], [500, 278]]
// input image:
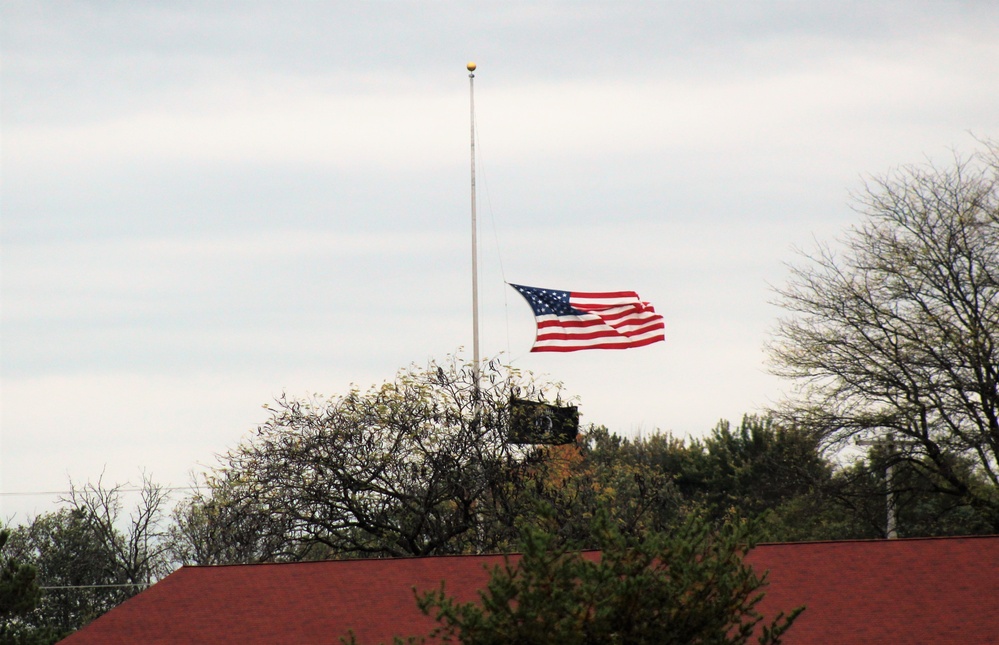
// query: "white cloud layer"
[[205, 205]]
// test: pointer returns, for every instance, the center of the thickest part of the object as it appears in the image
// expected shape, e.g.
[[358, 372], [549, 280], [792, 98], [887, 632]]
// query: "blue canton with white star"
[[546, 302]]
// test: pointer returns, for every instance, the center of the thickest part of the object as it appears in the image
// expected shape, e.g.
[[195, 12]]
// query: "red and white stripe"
[[613, 320]]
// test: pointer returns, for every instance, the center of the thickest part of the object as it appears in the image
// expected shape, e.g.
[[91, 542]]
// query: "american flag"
[[572, 320]]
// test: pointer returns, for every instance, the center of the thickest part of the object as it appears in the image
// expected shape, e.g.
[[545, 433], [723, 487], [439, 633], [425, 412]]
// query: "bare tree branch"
[[898, 332]]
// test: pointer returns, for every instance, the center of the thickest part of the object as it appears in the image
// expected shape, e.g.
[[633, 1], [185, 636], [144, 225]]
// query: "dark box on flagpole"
[[532, 422]]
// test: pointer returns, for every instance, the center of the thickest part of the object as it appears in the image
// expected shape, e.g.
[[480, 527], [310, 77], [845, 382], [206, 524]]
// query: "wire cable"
[[69, 492], [481, 164]]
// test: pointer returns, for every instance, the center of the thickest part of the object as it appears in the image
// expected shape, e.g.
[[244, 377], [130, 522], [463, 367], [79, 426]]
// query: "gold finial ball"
[[471, 67]]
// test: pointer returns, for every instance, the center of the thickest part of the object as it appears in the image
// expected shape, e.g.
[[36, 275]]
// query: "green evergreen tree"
[[688, 586], [18, 584], [19, 595]]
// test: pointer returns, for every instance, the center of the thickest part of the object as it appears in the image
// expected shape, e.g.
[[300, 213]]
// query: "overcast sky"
[[206, 204]]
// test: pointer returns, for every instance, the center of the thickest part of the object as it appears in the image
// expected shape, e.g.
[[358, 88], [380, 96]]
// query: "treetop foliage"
[[415, 466]]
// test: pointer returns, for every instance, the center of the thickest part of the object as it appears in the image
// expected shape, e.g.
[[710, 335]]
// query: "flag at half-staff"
[[533, 422], [569, 321]]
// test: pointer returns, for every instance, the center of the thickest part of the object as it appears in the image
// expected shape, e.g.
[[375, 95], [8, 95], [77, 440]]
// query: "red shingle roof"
[[930, 590], [942, 590]]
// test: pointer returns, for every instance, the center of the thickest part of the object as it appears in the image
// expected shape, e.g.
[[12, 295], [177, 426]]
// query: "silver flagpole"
[[475, 242]]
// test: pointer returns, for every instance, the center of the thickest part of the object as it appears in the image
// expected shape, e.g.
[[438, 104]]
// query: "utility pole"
[[891, 511]]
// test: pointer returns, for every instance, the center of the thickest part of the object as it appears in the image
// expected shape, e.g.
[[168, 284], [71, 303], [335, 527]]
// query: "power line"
[[69, 492], [124, 584]]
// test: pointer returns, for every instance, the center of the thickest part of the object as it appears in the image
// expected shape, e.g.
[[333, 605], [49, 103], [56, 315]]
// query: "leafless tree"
[[136, 545], [896, 334]]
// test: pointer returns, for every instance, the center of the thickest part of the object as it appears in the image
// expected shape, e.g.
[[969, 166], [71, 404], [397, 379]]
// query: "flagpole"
[[475, 242]]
